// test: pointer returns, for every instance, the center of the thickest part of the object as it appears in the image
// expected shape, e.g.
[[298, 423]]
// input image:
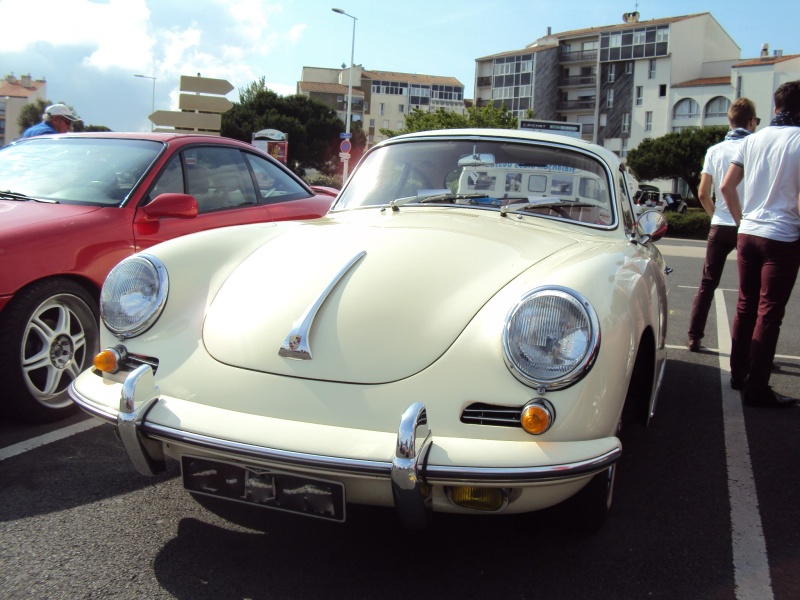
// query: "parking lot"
[[706, 506]]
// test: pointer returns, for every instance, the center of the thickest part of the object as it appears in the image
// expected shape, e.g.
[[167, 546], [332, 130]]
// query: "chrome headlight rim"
[[581, 368], [157, 306]]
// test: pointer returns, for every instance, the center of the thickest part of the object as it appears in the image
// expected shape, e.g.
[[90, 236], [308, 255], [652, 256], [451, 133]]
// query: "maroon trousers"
[[767, 273], [721, 242]]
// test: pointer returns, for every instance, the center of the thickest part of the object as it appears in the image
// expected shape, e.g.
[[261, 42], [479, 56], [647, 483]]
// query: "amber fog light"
[[109, 359], [537, 416], [478, 498]]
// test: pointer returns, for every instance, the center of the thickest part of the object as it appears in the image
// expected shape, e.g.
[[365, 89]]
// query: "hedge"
[[694, 225]]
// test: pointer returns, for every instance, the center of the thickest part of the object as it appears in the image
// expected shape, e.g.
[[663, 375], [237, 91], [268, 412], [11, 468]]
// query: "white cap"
[[61, 110]]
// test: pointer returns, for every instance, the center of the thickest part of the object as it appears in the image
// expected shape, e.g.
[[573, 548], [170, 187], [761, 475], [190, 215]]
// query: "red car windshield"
[[75, 171]]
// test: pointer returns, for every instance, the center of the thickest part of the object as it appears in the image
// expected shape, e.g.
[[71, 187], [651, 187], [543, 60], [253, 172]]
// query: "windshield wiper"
[[19, 196], [434, 198]]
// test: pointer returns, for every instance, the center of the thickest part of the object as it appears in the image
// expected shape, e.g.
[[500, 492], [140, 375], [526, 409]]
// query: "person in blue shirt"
[[57, 118]]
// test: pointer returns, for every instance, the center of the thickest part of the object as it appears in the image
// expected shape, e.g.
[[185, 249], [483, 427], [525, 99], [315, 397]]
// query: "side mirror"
[[178, 206], [651, 225]]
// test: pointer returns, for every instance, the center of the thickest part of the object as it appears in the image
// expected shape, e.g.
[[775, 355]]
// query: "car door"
[[220, 181], [280, 191]]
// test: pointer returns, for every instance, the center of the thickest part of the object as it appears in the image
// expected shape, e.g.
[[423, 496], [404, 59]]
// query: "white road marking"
[[48, 438], [750, 559]]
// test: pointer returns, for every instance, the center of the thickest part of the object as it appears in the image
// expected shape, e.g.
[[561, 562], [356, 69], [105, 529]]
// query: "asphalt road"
[[707, 506]]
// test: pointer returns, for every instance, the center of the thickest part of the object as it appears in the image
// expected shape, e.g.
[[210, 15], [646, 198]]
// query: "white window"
[[662, 35], [615, 40], [639, 95], [638, 37], [624, 149], [718, 107], [610, 99], [372, 122], [626, 122], [382, 108], [651, 72], [386, 123], [648, 120], [686, 109], [401, 107], [629, 68], [612, 69]]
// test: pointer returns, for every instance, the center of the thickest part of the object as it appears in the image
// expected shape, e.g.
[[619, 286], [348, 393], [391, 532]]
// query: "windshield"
[[75, 170], [506, 175]]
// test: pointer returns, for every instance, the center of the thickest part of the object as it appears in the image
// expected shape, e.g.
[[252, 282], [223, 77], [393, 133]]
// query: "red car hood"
[[15, 213]]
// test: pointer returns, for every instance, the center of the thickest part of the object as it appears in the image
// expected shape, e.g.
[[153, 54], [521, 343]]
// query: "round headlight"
[[133, 295], [551, 338]]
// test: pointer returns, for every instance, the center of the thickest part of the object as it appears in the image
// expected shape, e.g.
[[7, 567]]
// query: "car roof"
[[515, 134], [153, 136]]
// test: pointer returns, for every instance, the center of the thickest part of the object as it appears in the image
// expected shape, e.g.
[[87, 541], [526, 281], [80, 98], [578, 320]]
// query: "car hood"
[[15, 214], [395, 309]]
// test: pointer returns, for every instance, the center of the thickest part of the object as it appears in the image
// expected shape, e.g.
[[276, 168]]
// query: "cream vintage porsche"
[[465, 331]]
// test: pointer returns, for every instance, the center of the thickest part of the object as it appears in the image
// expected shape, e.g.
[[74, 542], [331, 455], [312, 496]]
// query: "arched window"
[[686, 109], [718, 107]]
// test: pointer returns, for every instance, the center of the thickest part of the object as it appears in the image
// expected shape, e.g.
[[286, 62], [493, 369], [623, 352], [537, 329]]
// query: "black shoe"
[[737, 384], [767, 399], [693, 345]]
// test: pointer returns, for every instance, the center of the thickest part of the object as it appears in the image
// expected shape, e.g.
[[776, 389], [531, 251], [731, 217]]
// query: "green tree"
[[312, 128], [31, 113], [675, 155], [476, 117]]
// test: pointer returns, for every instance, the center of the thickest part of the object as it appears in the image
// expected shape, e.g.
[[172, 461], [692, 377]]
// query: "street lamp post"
[[153, 107], [349, 85]]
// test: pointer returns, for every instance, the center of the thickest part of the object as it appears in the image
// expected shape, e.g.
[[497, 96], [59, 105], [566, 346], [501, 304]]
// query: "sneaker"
[[693, 345], [767, 399]]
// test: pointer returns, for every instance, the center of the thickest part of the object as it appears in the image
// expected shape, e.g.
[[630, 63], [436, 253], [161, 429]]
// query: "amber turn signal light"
[[537, 416], [108, 360]]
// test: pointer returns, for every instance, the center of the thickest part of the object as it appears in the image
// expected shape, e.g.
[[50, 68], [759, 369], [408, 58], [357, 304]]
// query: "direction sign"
[[344, 155], [345, 135], [214, 104], [186, 120], [205, 85]]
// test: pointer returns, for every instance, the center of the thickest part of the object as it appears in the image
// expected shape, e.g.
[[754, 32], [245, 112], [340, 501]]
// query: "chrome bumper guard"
[[411, 477]]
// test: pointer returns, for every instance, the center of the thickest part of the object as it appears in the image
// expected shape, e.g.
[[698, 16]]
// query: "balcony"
[[580, 55], [485, 81], [578, 80], [585, 104]]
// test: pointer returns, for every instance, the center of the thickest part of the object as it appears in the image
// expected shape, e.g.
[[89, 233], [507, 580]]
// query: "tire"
[[49, 334], [590, 506], [683, 209]]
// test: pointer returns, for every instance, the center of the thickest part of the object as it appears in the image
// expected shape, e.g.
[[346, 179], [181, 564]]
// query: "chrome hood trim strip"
[[296, 345]]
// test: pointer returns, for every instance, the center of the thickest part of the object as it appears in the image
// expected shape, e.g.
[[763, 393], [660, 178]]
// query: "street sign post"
[[187, 120], [205, 85], [200, 111]]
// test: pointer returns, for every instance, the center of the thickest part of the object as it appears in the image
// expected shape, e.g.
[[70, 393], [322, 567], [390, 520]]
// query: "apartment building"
[[635, 80], [381, 99], [15, 93]]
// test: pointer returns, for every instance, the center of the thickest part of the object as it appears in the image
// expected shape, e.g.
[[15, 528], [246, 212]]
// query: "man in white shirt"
[[768, 248], [722, 236]]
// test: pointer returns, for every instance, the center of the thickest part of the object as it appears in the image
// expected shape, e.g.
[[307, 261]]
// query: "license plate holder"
[[265, 487]]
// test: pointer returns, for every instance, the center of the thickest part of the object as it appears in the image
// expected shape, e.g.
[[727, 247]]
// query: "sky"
[[89, 51]]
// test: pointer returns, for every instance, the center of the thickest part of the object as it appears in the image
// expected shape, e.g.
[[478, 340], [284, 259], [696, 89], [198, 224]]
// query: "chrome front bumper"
[[410, 475]]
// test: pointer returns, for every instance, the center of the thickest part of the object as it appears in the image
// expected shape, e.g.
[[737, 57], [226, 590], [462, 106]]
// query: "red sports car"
[[73, 206]]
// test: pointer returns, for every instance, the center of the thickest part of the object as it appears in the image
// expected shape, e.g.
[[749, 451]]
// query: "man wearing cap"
[[57, 118]]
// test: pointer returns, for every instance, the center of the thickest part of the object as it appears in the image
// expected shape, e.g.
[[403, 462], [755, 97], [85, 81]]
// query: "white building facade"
[[632, 81]]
